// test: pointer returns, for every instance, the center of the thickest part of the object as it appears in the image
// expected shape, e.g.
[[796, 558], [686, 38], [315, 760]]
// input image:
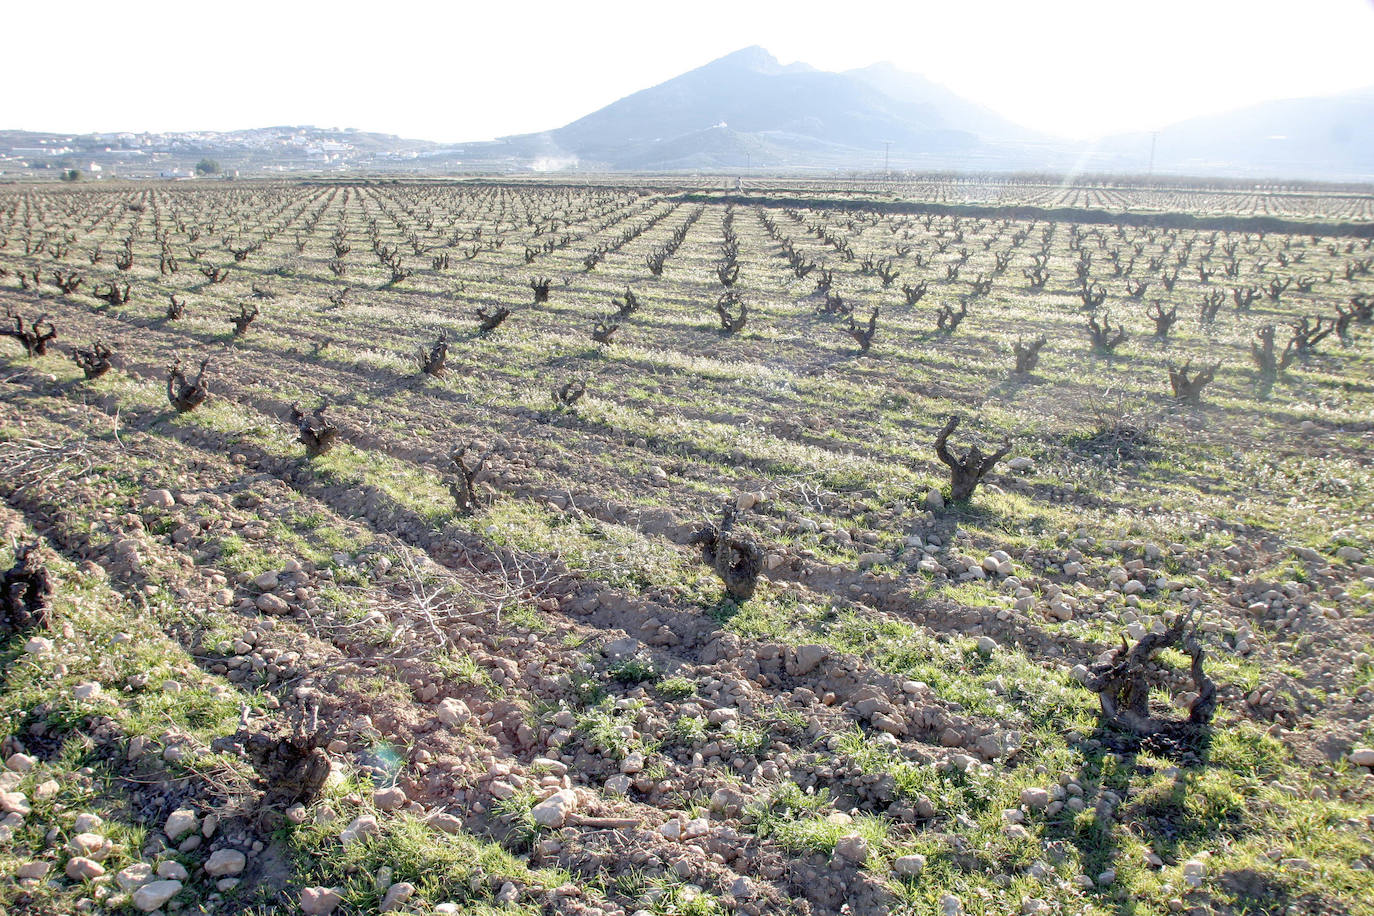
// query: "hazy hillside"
[[1331, 136], [747, 111], [939, 105]]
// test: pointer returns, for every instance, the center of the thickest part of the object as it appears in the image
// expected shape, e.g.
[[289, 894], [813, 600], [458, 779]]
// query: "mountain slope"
[[1332, 135], [939, 105], [745, 109], [789, 109]]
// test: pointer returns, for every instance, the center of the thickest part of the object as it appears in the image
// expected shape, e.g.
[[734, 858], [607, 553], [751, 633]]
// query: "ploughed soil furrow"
[[890, 594], [898, 718], [334, 656], [533, 439]]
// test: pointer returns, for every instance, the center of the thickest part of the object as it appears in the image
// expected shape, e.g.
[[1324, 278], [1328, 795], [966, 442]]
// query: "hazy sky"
[[467, 71]]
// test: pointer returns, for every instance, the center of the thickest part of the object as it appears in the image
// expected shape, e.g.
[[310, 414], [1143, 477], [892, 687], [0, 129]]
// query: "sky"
[[464, 71]]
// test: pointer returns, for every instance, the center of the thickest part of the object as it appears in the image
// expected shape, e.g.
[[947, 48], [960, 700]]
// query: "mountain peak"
[[754, 58]]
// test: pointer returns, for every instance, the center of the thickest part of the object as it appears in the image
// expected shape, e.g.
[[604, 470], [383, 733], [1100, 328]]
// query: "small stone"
[[617, 649], [266, 581], [159, 499], [224, 862], [86, 822], [453, 713], [1362, 756], [33, 870], [179, 823], [445, 822], [549, 765], [951, 905], [20, 763], [320, 901], [555, 810], [934, 501], [80, 868], [38, 645], [14, 803], [396, 896], [389, 799], [92, 845], [807, 658], [1021, 463], [852, 846], [889, 724], [87, 692], [172, 870], [1035, 798], [365, 825], [909, 866], [618, 784], [269, 603], [134, 876], [987, 645], [727, 802], [151, 896]]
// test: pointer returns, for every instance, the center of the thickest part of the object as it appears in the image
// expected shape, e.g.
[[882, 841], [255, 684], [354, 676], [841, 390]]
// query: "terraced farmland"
[[471, 659]]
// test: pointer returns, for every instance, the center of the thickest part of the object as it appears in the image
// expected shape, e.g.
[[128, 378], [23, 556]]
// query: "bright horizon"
[[1075, 69]]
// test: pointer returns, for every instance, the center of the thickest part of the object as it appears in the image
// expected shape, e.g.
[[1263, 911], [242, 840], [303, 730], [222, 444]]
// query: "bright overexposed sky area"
[[461, 71]]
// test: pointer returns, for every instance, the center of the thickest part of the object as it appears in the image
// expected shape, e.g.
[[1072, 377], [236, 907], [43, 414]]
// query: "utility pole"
[[887, 158], [1154, 138]]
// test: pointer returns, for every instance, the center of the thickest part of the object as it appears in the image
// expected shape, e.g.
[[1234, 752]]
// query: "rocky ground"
[[266, 681]]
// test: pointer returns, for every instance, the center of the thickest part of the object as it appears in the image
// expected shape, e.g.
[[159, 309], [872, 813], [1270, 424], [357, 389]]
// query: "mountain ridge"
[[747, 111]]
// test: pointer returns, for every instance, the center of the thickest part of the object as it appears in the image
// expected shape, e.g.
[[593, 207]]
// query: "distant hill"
[[938, 104], [747, 111], [175, 153], [1330, 137]]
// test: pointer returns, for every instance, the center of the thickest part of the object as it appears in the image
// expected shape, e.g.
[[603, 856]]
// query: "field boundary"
[[1059, 214]]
